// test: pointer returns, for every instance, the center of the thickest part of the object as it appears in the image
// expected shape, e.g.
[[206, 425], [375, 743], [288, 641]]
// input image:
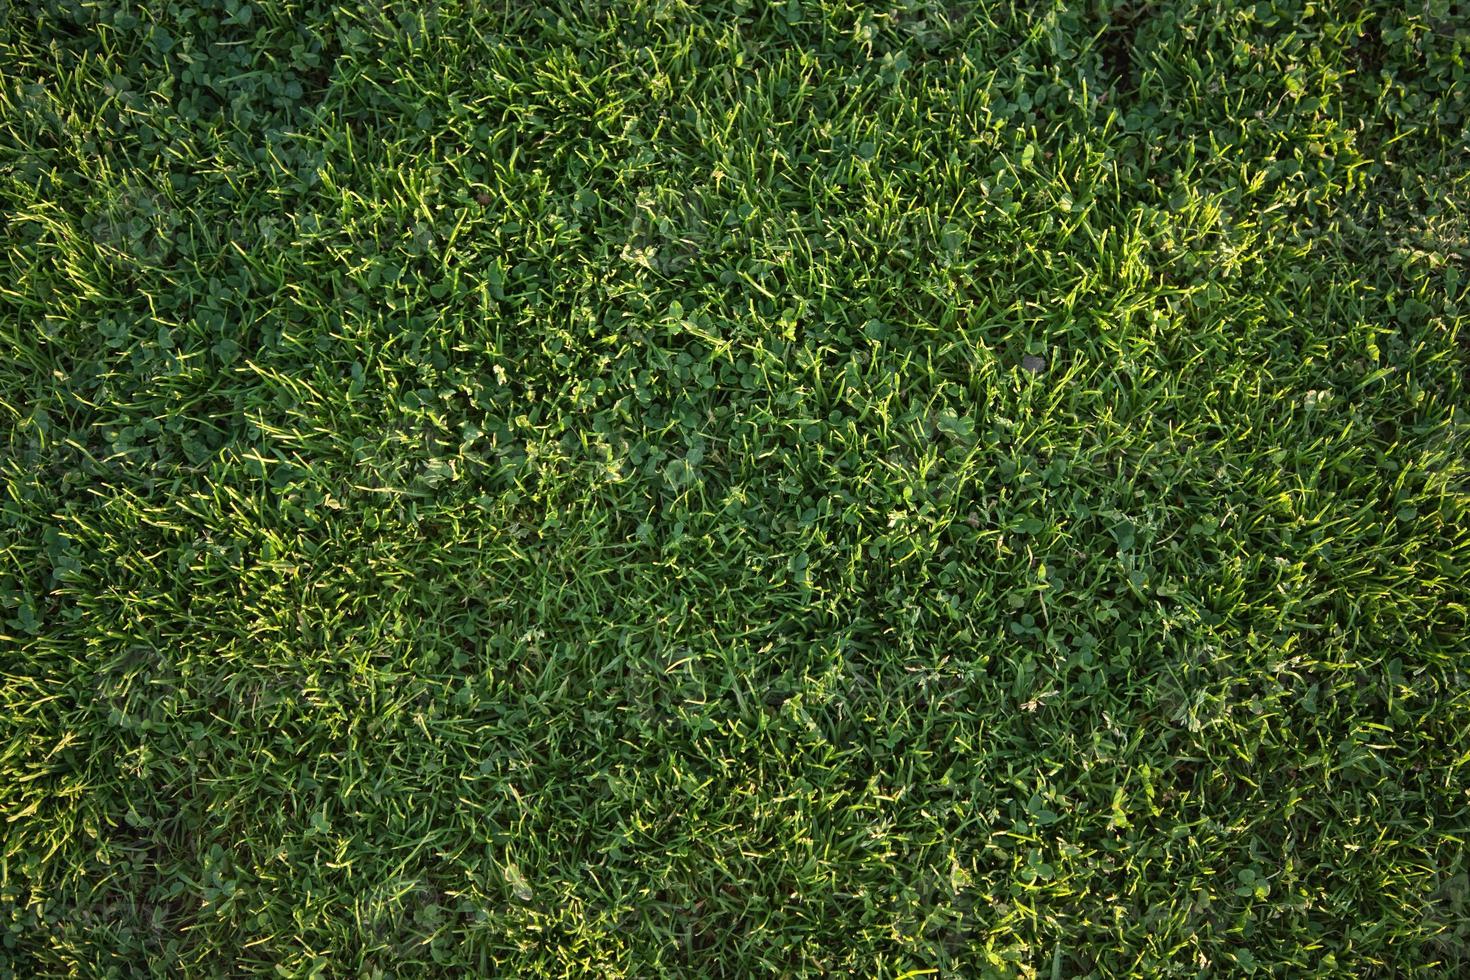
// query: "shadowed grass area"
[[740, 489]]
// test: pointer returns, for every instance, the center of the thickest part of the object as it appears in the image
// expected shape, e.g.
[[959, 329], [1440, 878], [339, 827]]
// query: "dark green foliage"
[[785, 488]]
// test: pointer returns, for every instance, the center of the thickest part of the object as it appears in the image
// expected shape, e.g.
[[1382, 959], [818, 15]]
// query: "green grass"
[[762, 488]]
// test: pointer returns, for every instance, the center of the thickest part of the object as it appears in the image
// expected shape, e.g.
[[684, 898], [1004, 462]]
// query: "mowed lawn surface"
[[758, 488]]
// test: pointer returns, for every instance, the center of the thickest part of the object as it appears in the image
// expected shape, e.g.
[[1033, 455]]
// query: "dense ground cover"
[[758, 488]]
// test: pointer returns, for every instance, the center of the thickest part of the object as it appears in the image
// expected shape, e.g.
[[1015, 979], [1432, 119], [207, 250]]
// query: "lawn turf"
[[758, 488]]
